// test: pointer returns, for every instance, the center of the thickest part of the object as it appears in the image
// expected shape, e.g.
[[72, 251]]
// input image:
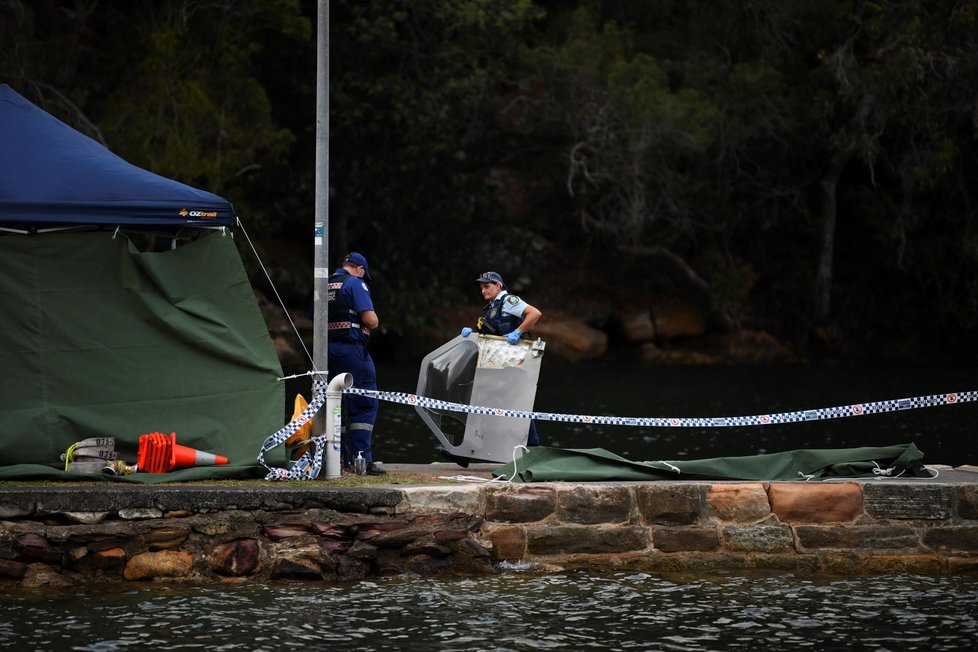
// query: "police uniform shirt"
[[512, 304], [357, 293]]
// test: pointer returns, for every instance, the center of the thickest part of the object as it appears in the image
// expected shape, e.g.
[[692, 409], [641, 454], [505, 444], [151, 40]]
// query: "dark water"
[[622, 387], [512, 611]]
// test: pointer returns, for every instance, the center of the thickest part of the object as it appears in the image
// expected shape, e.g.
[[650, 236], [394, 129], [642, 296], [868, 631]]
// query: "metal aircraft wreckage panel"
[[486, 371]]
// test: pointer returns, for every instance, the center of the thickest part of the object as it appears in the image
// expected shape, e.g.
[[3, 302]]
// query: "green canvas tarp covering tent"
[[545, 464], [101, 339]]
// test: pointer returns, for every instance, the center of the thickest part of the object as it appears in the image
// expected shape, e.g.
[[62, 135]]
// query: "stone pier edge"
[[68, 536]]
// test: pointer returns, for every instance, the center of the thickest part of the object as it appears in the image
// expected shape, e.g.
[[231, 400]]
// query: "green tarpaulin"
[[545, 464], [99, 339]]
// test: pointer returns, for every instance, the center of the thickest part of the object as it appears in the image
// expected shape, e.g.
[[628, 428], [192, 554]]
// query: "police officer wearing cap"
[[351, 318], [506, 315]]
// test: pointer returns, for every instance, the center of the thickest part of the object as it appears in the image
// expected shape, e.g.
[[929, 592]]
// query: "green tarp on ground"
[[545, 464], [98, 339]]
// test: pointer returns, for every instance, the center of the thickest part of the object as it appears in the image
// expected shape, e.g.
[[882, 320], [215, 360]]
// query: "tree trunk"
[[828, 212]]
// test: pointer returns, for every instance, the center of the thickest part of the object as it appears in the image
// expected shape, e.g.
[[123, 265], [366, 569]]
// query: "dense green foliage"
[[803, 166], [415, 91]]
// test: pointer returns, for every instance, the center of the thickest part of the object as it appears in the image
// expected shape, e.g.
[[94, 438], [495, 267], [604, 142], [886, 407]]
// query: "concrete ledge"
[[62, 536], [195, 497]]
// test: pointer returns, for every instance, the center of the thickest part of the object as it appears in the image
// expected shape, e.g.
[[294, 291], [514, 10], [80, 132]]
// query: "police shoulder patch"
[[512, 298], [365, 288]]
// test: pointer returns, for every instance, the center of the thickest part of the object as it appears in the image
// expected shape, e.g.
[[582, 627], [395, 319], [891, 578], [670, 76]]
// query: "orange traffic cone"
[[152, 453], [186, 456], [159, 453]]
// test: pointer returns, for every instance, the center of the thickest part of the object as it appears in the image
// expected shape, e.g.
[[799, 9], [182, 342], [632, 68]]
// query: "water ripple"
[[508, 612]]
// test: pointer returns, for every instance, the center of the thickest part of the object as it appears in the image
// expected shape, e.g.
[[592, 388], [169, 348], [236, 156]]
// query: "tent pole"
[[321, 270]]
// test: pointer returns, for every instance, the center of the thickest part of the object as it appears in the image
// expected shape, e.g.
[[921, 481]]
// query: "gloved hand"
[[514, 337], [466, 331]]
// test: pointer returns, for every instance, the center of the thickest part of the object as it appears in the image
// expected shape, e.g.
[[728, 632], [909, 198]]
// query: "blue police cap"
[[490, 277], [358, 259]]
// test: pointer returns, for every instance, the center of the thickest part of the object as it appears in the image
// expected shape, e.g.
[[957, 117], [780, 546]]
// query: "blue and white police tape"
[[308, 466], [854, 410]]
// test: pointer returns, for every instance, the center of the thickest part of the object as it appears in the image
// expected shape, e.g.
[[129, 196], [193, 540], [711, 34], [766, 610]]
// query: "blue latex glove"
[[466, 331], [514, 337]]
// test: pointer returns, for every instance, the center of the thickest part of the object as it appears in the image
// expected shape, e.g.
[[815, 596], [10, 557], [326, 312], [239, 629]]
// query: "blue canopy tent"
[[53, 174], [101, 339]]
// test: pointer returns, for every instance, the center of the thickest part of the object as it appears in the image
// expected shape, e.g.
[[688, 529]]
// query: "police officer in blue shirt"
[[506, 315], [351, 318]]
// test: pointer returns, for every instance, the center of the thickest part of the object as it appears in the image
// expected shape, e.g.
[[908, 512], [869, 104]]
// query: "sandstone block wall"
[[60, 536], [834, 527]]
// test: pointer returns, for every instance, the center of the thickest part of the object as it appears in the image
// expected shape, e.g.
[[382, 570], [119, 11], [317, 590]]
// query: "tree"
[[650, 155], [415, 86], [805, 122], [170, 86]]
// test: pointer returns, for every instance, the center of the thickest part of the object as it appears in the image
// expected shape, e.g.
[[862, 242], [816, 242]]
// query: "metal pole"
[[321, 269]]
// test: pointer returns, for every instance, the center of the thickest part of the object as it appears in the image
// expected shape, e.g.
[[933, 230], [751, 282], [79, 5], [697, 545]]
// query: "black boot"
[[373, 469]]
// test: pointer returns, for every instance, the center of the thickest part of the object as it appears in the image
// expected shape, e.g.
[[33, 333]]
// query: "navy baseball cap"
[[490, 277], [358, 259]]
